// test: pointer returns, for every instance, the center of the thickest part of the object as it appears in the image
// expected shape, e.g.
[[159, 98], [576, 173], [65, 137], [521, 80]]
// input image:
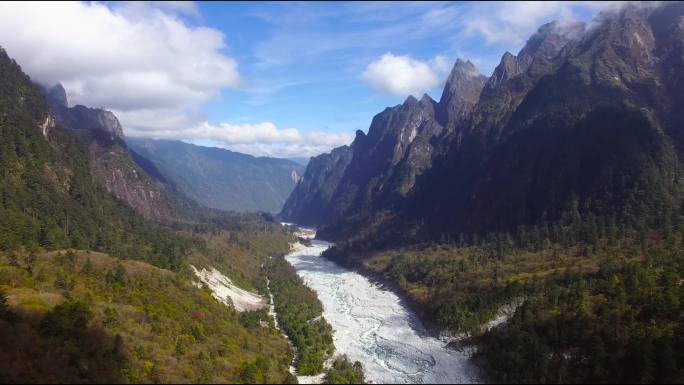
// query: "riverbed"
[[371, 325]]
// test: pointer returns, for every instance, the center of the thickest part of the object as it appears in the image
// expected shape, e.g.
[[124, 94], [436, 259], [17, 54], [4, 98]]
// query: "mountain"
[[301, 160], [50, 195], [582, 120], [113, 164], [219, 178]]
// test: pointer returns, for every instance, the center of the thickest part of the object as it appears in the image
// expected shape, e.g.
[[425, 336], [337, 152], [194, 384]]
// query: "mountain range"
[[221, 179], [584, 119]]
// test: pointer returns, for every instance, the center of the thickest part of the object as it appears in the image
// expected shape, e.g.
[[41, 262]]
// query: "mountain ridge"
[[460, 171], [221, 179]]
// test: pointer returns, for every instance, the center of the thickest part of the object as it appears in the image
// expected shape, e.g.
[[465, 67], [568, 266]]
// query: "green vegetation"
[[88, 317], [48, 197], [300, 315], [344, 372], [621, 324], [84, 316], [602, 302]]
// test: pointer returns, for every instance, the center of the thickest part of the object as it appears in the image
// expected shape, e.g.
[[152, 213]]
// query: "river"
[[372, 326]]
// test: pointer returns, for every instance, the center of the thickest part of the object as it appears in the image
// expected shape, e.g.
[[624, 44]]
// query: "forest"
[[300, 314], [597, 297]]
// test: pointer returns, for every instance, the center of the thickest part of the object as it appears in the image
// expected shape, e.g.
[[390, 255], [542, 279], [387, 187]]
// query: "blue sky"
[[279, 79]]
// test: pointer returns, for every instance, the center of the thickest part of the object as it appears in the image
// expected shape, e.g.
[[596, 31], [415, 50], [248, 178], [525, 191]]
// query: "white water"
[[373, 327]]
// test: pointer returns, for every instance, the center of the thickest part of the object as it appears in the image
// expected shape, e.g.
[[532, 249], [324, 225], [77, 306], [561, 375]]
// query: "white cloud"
[[124, 57], [403, 75], [511, 23], [256, 139]]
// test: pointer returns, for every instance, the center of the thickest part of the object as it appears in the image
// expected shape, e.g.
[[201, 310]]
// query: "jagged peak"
[[426, 99], [463, 68], [57, 95], [410, 100], [551, 38]]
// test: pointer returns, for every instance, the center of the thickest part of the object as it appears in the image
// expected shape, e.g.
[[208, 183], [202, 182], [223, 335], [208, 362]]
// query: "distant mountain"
[[301, 160], [583, 121], [219, 178], [112, 163]]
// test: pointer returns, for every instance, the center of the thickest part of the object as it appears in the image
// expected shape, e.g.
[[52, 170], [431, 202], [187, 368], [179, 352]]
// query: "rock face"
[[377, 168], [461, 93], [81, 117], [222, 179], [313, 193], [583, 118], [112, 163]]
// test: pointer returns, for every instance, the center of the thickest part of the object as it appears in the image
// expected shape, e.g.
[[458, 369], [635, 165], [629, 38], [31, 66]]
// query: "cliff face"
[[112, 165], [581, 120], [308, 202], [81, 117]]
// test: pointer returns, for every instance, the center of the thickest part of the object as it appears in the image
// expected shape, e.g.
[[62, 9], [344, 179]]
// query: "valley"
[[373, 326], [225, 217]]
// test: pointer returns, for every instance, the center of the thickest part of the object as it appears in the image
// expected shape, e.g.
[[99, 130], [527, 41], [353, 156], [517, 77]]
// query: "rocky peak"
[[426, 100], [508, 68], [550, 39], [410, 101], [81, 117], [461, 92], [546, 44], [57, 96]]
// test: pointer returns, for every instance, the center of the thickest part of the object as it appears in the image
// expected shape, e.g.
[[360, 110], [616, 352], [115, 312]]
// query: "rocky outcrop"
[[112, 164], [81, 117]]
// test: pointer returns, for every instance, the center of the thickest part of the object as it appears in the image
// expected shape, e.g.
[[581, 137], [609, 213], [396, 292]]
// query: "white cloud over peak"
[[125, 57], [403, 75]]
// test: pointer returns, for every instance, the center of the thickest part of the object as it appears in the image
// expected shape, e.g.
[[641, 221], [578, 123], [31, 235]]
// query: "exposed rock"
[[81, 117], [112, 163], [461, 92]]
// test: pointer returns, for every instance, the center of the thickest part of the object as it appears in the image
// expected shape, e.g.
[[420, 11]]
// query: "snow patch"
[[224, 290]]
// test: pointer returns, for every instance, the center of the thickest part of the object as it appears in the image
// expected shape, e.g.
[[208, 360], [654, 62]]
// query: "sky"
[[268, 79]]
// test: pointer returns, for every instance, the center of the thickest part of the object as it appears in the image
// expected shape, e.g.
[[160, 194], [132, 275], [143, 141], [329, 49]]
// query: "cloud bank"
[[130, 57], [146, 63]]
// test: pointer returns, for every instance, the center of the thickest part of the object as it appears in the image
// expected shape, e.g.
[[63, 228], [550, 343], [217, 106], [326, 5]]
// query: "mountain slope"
[[113, 165], [49, 196], [590, 136], [219, 178]]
